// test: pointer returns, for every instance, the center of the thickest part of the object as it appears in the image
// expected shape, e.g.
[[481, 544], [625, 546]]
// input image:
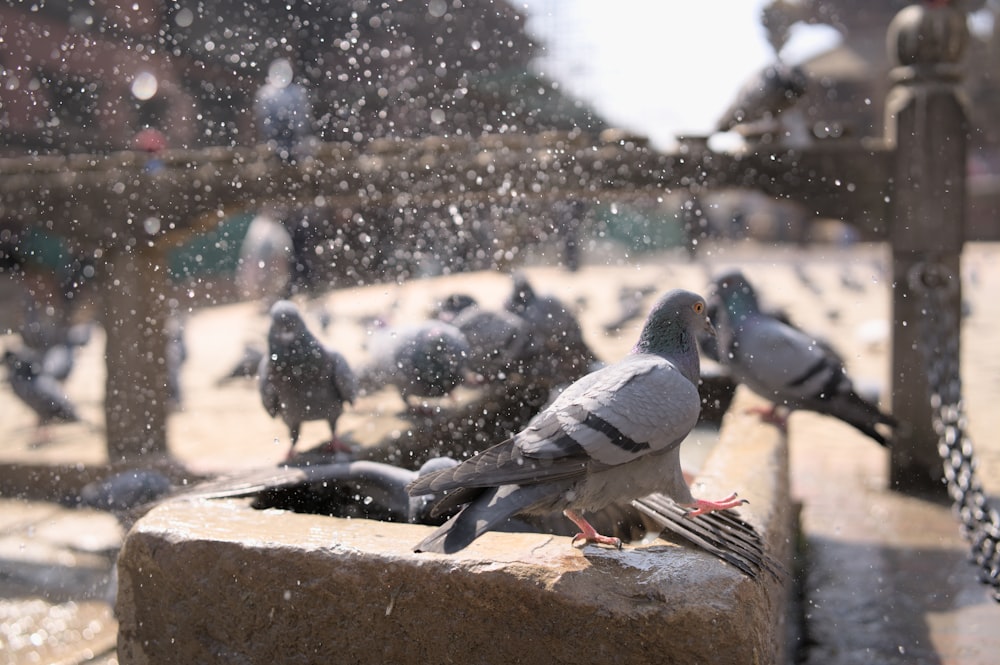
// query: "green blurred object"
[[211, 254], [639, 230]]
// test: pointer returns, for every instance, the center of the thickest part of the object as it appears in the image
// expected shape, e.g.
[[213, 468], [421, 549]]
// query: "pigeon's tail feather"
[[864, 416], [492, 507]]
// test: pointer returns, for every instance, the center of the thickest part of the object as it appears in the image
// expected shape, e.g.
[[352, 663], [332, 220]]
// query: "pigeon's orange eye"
[[698, 307]]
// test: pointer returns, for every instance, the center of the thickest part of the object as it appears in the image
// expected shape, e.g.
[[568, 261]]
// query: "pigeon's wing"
[[785, 361], [342, 376], [490, 508], [609, 417], [268, 390], [614, 415]]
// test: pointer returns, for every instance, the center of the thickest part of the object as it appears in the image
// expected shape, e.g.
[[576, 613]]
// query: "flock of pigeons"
[[604, 451]]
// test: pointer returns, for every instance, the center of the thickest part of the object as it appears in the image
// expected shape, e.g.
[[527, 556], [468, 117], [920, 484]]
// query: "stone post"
[[135, 313], [926, 124]]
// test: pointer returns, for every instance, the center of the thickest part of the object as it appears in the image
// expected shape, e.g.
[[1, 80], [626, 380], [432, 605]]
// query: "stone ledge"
[[216, 581]]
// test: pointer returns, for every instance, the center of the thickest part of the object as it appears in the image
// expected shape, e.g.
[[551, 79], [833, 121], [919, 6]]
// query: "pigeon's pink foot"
[[702, 507], [771, 416], [587, 533]]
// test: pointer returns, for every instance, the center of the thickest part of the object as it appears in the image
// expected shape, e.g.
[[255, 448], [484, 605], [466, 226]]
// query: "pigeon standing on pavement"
[[784, 364], [301, 379], [39, 391], [612, 436]]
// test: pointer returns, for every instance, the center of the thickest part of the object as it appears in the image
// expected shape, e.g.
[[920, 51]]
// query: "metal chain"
[[940, 334]]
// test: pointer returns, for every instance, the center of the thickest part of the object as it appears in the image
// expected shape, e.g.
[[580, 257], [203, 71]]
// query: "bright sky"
[[659, 67]]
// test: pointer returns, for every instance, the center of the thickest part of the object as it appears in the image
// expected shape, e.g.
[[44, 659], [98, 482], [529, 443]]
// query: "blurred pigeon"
[[785, 365], [56, 348], [264, 269], [498, 341], [775, 89], [283, 112], [300, 378], [246, 366], [450, 307], [358, 489], [127, 495], [630, 301], [556, 344], [805, 279], [427, 359], [176, 354], [39, 391], [612, 436], [57, 361]]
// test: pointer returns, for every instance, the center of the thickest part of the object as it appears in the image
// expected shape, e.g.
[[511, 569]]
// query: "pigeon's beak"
[[709, 328]]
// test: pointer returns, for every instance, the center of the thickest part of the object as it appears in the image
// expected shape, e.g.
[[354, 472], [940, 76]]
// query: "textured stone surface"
[[216, 581]]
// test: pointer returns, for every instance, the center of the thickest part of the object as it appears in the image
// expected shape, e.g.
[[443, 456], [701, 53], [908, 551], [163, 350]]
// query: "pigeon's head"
[[522, 294], [286, 322], [674, 323], [735, 291], [451, 306]]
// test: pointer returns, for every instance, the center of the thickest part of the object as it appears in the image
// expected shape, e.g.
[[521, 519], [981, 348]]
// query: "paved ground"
[[885, 577]]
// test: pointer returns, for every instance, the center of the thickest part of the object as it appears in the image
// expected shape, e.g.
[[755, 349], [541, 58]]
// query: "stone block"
[[216, 581]]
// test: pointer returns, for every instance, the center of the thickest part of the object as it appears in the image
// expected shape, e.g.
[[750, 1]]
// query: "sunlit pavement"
[[886, 580]]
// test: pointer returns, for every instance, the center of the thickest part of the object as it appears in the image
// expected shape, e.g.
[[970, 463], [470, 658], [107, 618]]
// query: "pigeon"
[[612, 436], [246, 367], [452, 305], [39, 391], [366, 489], [301, 379], [786, 365], [422, 360], [128, 495], [264, 268], [630, 300], [777, 88], [175, 355], [498, 341], [558, 351], [283, 112]]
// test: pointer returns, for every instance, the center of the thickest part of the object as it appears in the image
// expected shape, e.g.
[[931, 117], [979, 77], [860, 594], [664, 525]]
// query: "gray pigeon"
[[427, 359], [775, 89], [246, 367], [39, 391], [358, 489], [556, 346], [612, 436], [784, 364], [301, 379], [498, 341]]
